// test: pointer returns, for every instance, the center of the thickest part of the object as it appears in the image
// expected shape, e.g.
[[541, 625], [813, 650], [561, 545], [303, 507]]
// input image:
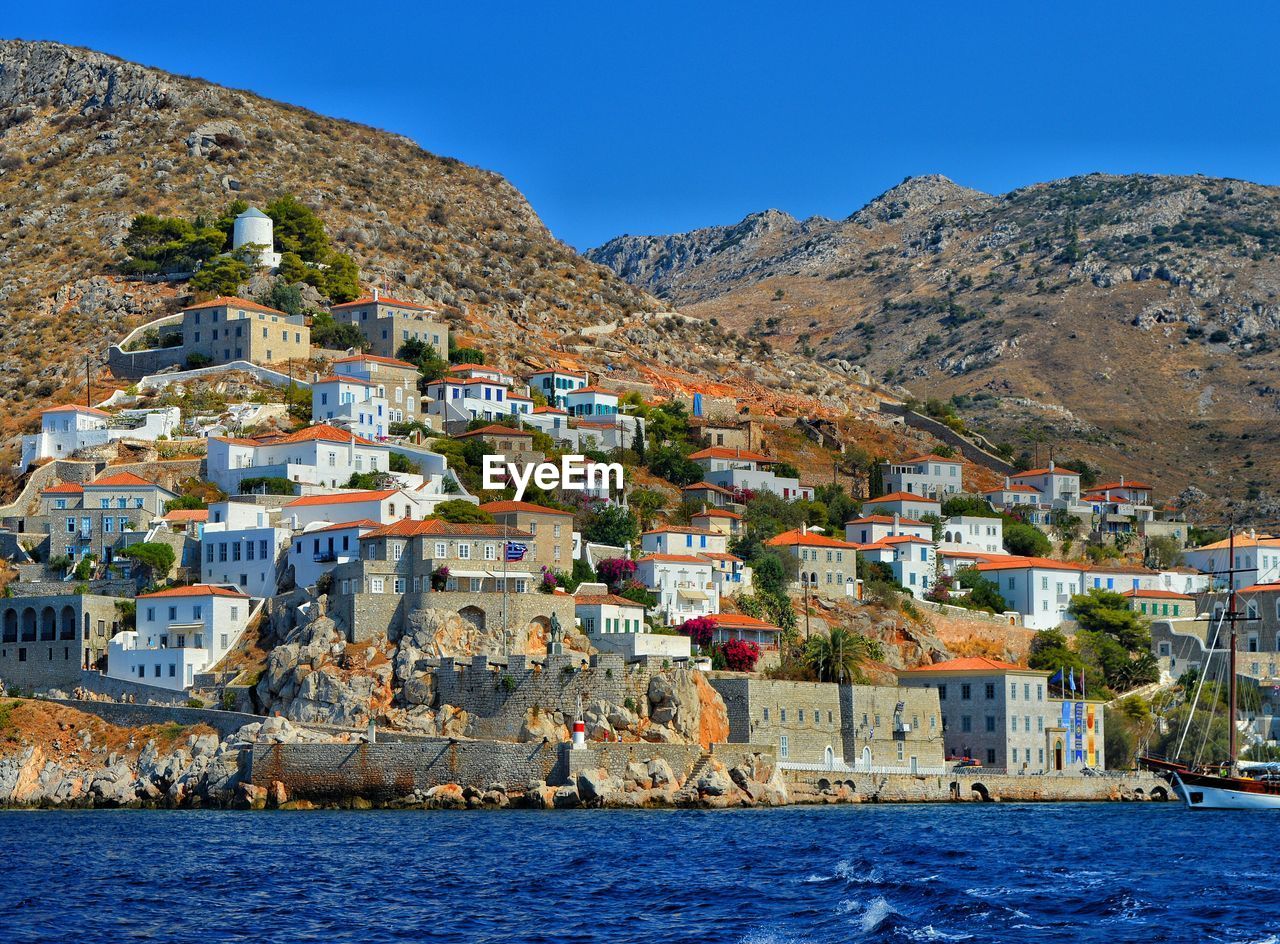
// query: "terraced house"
[[228, 328], [387, 323], [92, 518], [828, 565]]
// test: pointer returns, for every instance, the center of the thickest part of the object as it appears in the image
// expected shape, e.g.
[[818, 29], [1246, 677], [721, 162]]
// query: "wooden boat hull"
[[1203, 792]]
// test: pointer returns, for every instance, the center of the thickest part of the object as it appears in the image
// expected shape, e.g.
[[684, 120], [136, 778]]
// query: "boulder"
[[596, 784]]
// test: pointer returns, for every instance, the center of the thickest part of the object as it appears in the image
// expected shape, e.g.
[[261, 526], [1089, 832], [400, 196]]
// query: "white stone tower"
[[254, 226]]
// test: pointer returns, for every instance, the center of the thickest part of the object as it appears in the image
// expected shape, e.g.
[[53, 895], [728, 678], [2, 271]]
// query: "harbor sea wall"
[[822, 786]]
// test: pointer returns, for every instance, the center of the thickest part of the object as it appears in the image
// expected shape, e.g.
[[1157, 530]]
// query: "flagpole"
[[506, 644]]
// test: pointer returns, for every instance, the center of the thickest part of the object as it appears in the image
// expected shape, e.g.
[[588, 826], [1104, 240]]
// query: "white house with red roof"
[[743, 470], [868, 529], [460, 400], [912, 559], [747, 628], [320, 455], [931, 475], [396, 381], [381, 505], [180, 633], [240, 546], [1256, 561], [357, 405], [1119, 577], [1058, 487], [903, 504], [387, 323], [591, 401], [684, 584], [321, 546], [67, 429], [616, 624], [1013, 495], [730, 571], [718, 519], [1037, 587], [482, 372]]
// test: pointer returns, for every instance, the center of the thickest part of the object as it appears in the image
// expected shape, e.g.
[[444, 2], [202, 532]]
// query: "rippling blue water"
[[998, 872]]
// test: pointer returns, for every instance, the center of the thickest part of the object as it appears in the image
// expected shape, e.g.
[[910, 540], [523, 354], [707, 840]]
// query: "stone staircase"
[[690, 789]]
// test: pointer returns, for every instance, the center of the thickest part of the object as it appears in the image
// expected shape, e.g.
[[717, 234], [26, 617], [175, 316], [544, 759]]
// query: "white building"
[[1037, 587], [616, 624], [683, 583], [871, 528], [677, 539], [591, 401], [397, 383], [181, 632], [912, 559], [239, 546], [318, 455], [931, 475], [743, 470], [67, 429], [1120, 577], [357, 405], [1184, 580], [457, 400], [381, 505], [972, 533], [1257, 560], [904, 504], [254, 228], [321, 547], [554, 384], [1058, 487]]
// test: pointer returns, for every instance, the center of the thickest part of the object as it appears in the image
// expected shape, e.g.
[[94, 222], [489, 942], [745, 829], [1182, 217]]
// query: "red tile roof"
[[1019, 563], [233, 301], [505, 507], [195, 590], [726, 452], [707, 486], [377, 359], [342, 526], [672, 559], [408, 528], [796, 537], [973, 664], [742, 621], [321, 432], [495, 430], [888, 519], [381, 300], [1056, 470], [1261, 588], [122, 480], [342, 498], [591, 389], [679, 529], [588, 599], [73, 408], [1011, 488], [550, 409], [66, 488], [1112, 486], [717, 513], [901, 496], [717, 556], [931, 457], [339, 378], [1157, 594], [188, 514], [1242, 540]]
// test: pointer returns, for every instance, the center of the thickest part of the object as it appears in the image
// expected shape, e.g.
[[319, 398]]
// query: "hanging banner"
[[1079, 732], [1093, 730]]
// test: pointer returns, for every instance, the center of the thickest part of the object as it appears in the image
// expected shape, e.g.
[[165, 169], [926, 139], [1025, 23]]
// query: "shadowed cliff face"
[[1131, 321]]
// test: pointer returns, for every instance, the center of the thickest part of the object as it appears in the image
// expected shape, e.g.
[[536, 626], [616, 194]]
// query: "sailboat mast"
[[1231, 618]]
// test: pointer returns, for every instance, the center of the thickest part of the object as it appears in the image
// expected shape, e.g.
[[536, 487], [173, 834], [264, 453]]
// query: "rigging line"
[[1200, 687], [1213, 710]]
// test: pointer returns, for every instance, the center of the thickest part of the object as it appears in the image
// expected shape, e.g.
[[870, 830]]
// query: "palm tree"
[[838, 657]]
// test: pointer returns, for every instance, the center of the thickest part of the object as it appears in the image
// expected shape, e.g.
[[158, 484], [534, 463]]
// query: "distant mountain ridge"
[[1130, 319]]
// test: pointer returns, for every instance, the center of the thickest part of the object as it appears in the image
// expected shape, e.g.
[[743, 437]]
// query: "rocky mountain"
[[87, 141], [1131, 321]]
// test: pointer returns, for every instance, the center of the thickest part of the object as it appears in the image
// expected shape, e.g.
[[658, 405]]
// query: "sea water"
[[972, 872]]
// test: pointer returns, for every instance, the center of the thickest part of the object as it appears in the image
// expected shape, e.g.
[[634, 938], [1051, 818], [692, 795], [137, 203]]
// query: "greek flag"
[[516, 552]]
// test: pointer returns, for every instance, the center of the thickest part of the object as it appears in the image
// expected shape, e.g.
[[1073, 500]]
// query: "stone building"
[[395, 381], [513, 444], [227, 329], [435, 564], [92, 518], [1004, 716], [45, 641], [552, 530], [828, 565], [387, 323], [873, 728]]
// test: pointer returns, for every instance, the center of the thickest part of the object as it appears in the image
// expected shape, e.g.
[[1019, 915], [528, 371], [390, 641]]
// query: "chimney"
[[1122, 480], [375, 293], [1050, 465], [897, 518], [1006, 483], [804, 528]]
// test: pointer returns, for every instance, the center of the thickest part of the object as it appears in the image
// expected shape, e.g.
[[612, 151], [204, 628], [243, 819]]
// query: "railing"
[[842, 768]]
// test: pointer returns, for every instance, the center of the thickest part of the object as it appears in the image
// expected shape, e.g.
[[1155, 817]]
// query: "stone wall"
[[500, 697], [364, 616], [970, 450], [134, 716], [388, 771], [117, 689], [976, 787], [46, 641]]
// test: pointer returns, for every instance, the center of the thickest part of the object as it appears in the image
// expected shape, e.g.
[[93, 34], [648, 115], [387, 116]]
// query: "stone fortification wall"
[[115, 688], [500, 697], [976, 787], [225, 723], [389, 771]]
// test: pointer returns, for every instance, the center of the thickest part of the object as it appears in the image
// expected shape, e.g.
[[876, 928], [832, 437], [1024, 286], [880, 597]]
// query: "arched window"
[[399, 394]]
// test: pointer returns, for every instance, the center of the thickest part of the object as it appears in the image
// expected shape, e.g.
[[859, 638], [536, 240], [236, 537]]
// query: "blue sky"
[[658, 117]]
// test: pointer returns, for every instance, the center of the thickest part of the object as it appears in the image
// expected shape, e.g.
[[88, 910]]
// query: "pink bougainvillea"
[[740, 655], [700, 630], [616, 571]]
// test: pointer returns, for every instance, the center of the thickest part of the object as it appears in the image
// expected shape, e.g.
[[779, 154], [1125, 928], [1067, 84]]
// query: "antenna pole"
[[1231, 616]]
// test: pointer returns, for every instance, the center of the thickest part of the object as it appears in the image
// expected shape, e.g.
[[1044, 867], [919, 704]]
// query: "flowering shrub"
[[740, 655], [743, 495], [940, 592], [549, 580], [439, 577], [700, 630], [616, 571]]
